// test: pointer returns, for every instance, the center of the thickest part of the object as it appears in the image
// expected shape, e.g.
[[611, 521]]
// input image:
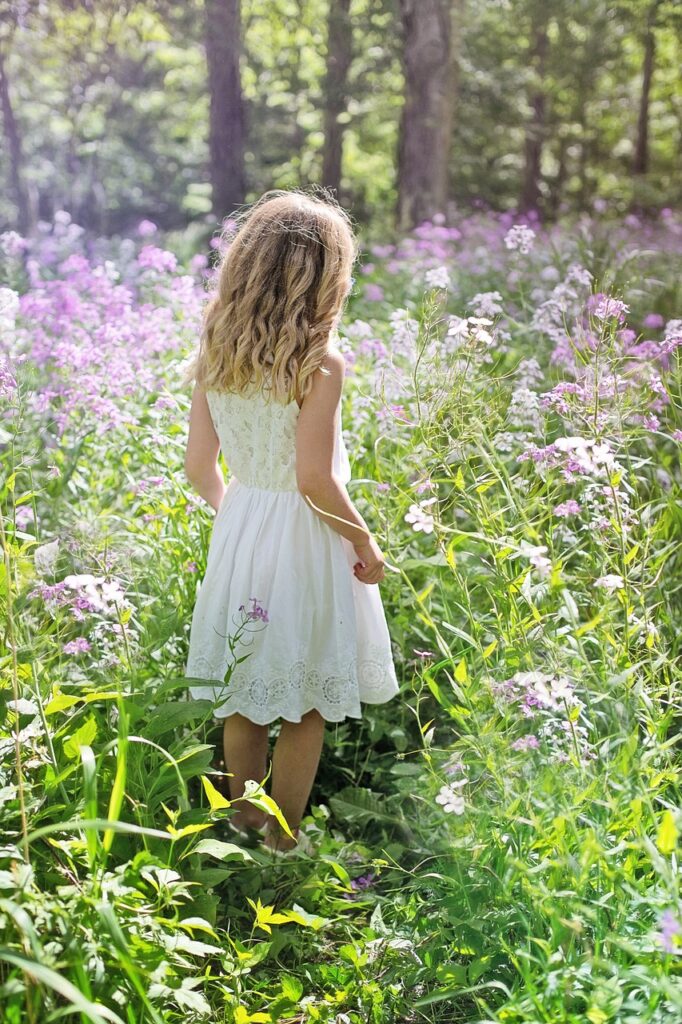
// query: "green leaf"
[[219, 850], [292, 989], [46, 976], [461, 674], [118, 789], [60, 702], [83, 737]]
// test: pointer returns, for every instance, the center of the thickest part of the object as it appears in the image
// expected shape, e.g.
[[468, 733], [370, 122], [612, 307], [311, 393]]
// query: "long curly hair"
[[281, 287]]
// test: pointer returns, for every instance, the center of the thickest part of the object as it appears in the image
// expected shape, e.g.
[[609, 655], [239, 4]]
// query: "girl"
[[292, 568]]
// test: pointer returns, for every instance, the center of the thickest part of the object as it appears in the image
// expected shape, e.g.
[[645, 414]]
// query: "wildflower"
[[525, 743], [529, 373], [45, 557], [454, 764], [374, 292], [677, 435], [520, 237], [12, 244], [486, 304], [610, 582], [437, 277], [653, 321], [256, 612], [670, 929], [673, 336], [8, 384], [421, 520], [524, 409], [363, 881], [160, 260], [423, 654], [567, 508], [452, 802], [146, 228], [458, 328], [77, 646], [606, 308], [536, 556]]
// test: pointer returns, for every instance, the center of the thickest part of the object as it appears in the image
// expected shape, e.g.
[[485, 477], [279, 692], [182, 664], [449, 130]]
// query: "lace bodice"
[[258, 439]]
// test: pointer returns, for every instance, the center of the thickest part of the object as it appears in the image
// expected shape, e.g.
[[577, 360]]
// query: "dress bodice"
[[258, 439]]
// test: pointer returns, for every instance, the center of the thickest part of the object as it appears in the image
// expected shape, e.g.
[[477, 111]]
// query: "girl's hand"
[[370, 567]]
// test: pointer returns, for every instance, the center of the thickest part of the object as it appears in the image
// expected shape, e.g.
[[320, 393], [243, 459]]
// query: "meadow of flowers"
[[498, 844]]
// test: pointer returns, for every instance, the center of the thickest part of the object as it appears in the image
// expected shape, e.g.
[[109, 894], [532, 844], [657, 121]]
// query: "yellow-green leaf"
[[461, 674], [489, 649], [666, 841], [631, 554], [60, 702], [459, 480], [188, 830], [215, 799], [82, 737]]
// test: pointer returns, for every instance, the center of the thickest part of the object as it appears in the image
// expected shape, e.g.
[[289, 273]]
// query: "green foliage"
[[112, 106]]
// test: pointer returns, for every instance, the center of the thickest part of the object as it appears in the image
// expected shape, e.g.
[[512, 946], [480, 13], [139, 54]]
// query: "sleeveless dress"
[[311, 635]]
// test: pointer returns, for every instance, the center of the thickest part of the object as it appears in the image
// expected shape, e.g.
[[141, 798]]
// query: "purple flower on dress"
[[256, 612]]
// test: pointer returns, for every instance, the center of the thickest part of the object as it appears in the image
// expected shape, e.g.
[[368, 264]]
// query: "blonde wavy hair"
[[281, 288]]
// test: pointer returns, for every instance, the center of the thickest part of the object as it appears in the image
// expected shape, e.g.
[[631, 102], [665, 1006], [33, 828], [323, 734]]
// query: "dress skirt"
[[281, 625]]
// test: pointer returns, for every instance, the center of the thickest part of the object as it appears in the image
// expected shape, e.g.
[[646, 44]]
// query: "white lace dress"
[[310, 635]]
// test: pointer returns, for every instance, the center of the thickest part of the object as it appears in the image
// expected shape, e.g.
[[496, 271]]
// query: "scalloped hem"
[[221, 713]]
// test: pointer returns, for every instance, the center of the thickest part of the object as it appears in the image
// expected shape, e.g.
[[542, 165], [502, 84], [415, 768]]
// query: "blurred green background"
[[180, 111]]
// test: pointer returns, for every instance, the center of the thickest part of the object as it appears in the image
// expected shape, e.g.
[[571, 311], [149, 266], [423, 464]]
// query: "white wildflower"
[[437, 277], [421, 520], [520, 237], [452, 802], [611, 581]]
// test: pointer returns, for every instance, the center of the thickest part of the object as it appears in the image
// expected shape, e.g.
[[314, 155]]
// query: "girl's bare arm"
[[315, 436], [203, 447]]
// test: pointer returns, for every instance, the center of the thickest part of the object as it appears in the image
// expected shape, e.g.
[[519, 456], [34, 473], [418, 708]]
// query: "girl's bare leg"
[[295, 759], [246, 751]]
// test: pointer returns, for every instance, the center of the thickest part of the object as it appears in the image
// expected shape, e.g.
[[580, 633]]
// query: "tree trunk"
[[226, 116], [339, 56], [16, 162], [426, 122], [535, 132], [640, 163]]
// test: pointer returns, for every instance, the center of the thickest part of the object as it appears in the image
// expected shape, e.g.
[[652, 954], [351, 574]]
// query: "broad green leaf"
[[219, 850], [83, 737]]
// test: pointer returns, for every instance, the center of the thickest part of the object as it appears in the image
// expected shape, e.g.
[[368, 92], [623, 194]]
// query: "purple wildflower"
[[525, 743], [256, 612], [670, 929], [160, 260], [77, 646], [567, 508]]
